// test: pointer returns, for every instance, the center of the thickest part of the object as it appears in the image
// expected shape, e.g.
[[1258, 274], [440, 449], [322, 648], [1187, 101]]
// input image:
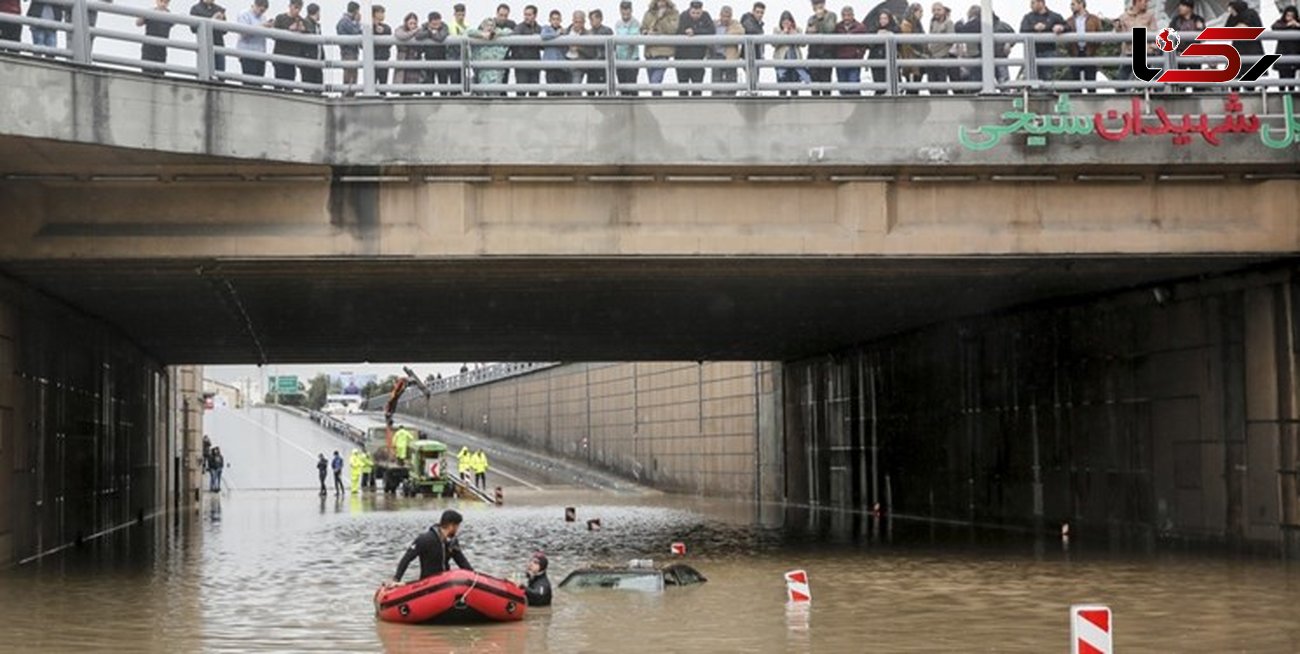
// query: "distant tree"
[[317, 390]]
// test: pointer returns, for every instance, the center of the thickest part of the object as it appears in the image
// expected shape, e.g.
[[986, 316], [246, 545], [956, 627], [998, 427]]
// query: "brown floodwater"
[[288, 571]]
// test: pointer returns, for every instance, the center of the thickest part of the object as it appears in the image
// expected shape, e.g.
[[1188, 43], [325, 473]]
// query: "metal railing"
[[348, 431], [476, 377], [997, 61]]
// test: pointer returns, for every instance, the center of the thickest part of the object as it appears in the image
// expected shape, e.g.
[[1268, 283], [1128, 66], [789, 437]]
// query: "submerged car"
[[637, 575]]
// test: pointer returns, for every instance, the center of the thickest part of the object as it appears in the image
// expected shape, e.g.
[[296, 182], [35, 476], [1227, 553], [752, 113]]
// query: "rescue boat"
[[455, 596]]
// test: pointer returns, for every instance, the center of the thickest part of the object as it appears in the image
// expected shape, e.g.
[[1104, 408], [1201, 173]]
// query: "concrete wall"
[[84, 427], [711, 428], [45, 100], [75, 219], [1160, 417]]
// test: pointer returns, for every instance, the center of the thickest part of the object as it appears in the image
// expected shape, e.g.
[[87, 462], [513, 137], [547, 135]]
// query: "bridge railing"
[[734, 65], [478, 376], [348, 431]]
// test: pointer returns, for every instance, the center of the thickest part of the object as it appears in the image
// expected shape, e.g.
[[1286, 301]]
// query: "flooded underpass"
[[290, 571]]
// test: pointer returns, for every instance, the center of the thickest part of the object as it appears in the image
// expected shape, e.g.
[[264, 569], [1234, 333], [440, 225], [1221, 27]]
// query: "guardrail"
[[350, 432], [484, 375], [1000, 61]]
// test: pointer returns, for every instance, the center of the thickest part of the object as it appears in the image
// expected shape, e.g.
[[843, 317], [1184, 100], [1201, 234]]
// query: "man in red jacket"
[[11, 31]]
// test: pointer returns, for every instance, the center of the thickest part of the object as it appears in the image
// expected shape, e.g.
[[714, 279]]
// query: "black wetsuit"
[[435, 555], [538, 590]]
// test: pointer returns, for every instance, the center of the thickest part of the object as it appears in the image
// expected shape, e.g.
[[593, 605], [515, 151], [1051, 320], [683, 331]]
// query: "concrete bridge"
[[1087, 325]]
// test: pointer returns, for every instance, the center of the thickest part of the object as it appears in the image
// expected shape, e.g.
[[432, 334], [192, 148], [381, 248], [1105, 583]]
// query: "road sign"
[[796, 586], [678, 549], [285, 385], [1091, 629]]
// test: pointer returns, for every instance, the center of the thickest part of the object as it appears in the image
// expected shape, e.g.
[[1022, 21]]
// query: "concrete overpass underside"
[[227, 311]]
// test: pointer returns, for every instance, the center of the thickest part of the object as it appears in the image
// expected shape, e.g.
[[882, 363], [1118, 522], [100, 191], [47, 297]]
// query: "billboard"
[[349, 383]]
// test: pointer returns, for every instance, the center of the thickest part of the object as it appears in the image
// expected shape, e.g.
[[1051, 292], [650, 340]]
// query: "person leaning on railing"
[[529, 53], [627, 25], [852, 52], [940, 23], [158, 29], [578, 52], [349, 25], [308, 73], [660, 20], [885, 24], [382, 52], [291, 21], [11, 31], [492, 50], [820, 22], [1081, 21], [253, 17], [211, 10], [598, 28], [726, 26], [456, 27], [436, 32], [1137, 15], [44, 36], [1290, 20], [408, 49], [789, 52], [912, 24], [693, 22], [554, 28]]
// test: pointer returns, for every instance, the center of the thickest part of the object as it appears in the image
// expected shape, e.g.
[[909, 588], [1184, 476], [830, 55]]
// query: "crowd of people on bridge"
[[424, 38]]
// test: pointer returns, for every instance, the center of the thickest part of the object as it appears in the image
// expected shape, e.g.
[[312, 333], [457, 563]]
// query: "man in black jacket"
[[527, 27], [538, 589], [694, 22], [436, 549], [210, 9], [1041, 20]]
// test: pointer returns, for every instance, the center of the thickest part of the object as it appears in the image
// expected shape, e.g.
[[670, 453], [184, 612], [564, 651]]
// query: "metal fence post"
[[611, 68], [751, 66], [891, 64], [368, 86], [466, 73], [1031, 59], [988, 49], [203, 57], [79, 37]]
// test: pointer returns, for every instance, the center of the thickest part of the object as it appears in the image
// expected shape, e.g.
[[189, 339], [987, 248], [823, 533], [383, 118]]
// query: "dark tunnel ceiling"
[[395, 310]]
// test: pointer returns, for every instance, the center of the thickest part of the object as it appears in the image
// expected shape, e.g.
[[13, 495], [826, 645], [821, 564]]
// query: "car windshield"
[[648, 580]]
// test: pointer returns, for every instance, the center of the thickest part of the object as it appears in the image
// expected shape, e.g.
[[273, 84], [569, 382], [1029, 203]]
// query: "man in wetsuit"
[[437, 548], [538, 588]]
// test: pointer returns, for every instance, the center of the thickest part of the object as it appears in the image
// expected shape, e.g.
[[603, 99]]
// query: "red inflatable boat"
[[452, 597]]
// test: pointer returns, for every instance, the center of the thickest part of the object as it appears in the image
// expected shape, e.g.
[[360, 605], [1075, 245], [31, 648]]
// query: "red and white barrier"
[[679, 549], [796, 586], [1091, 629]]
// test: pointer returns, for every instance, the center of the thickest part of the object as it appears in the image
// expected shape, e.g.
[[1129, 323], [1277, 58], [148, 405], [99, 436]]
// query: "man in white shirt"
[[251, 42]]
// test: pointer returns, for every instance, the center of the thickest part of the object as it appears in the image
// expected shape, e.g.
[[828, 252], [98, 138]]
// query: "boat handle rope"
[[460, 601]]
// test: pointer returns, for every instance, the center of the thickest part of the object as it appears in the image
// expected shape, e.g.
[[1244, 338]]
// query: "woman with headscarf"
[[1290, 20], [407, 50], [789, 52], [1241, 15], [493, 50], [912, 24], [884, 25]]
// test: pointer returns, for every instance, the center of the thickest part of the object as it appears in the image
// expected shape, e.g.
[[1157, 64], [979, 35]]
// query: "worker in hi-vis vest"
[[480, 469], [464, 463], [355, 464], [401, 440]]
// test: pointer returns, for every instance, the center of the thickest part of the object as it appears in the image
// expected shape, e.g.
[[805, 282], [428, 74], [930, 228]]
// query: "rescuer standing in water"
[[436, 549]]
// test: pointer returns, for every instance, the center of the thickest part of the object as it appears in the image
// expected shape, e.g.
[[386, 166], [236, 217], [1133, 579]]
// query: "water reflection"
[[292, 571]]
